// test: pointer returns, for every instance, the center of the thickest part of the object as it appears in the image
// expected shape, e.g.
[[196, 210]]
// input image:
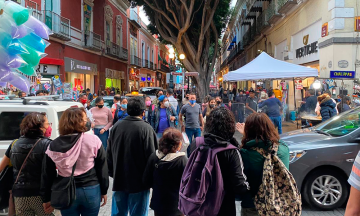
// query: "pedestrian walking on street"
[[353, 207], [194, 121], [163, 174], [164, 116], [327, 107], [273, 110], [26, 155], [309, 105], [131, 143], [219, 102], [121, 113], [84, 155], [174, 103], [344, 105], [116, 104], [103, 120], [210, 107], [219, 132], [89, 95], [158, 94], [251, 103], [83, 99], [148, 107], [258, 132], [221, 91]]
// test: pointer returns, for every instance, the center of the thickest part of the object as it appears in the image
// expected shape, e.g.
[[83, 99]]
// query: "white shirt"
[[317, 109], [89, 114], [174, 103]]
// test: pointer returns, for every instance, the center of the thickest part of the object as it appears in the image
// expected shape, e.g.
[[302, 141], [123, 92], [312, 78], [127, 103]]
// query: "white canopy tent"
[[266, 67]]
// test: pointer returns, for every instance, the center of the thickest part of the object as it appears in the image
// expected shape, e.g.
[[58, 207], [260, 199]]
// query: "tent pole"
[[294, 94]]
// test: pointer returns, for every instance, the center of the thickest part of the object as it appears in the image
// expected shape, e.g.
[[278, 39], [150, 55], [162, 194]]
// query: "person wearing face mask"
[[116, 105], [147, 104], [103, 120], [210, 107], [83, 99], [186, 99], [219, 102], [166, 177], [121, 113], [158, 94], [164, 116], [194, 121], [85, 153], [34, 130]]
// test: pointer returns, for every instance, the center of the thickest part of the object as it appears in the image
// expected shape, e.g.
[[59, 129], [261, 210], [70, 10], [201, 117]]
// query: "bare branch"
[[187, 22], [172, 12], [161, 30], [161, 12], [185, 5]]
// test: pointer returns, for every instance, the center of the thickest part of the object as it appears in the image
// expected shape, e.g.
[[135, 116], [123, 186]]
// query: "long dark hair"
[[258, 127], [221, 122]]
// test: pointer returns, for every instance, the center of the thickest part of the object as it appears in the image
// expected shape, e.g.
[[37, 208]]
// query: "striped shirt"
[[354, 179]]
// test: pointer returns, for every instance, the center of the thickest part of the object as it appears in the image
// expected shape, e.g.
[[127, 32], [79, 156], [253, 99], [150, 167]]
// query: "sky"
[[145, 19]]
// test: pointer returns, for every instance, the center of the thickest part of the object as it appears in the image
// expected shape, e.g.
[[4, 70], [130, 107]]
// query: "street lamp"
[[182, 56], [317, 84], [172, 57]]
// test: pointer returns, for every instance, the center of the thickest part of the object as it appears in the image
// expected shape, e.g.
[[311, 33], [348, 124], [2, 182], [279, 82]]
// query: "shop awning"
[[51, 61], [266, 67]]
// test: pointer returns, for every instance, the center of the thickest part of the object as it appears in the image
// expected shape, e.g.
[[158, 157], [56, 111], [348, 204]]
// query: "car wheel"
[[326, 189]]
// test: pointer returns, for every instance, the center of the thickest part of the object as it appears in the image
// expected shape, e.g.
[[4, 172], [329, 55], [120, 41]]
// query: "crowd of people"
[[138, 143]]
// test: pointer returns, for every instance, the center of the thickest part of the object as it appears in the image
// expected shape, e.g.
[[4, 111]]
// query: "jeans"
[[277, 122], [103, 137], [87, 202], [190, 132], [137, 204]]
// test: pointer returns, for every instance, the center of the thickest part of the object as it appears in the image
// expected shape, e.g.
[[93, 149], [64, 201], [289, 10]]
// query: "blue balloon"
[[34, 41], [15, 48]]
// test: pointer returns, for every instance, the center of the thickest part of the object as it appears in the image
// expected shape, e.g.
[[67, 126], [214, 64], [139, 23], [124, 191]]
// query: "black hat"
[[251, 91]]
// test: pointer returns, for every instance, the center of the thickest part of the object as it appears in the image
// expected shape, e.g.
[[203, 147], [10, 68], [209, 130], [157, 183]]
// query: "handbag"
[[63, 191], [11, 199], [6, 181]]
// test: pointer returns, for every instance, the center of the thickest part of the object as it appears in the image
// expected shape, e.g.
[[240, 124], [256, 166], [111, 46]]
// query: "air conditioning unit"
[[288, 55]]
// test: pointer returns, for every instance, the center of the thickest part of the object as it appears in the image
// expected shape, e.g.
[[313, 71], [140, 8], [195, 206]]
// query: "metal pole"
[[294, 94], [183, 84]]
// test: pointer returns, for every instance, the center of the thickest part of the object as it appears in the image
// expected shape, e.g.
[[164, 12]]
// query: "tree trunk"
[[203, 84]]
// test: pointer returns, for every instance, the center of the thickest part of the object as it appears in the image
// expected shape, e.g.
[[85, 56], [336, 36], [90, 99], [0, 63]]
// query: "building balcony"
[[272, 14], [92, 41], [155, 67], [286, 5], [246, 38], [123, 54], [135, 61], [135, 18], [146, 65], [34, 7], [164, 68], [60, 26], [112, 49], [262, 23], [151, 66]]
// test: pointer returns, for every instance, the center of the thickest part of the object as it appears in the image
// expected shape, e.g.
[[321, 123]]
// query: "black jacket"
[[231, 166], [310, 104], [163, 174], [96, 175], [327, 109], [130, 144], [30, 176]]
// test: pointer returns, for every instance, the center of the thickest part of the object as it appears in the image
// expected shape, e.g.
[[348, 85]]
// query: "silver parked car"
[[321, 159]]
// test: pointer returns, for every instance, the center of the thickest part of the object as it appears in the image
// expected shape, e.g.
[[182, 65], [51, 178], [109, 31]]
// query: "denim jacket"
[[155, 117]]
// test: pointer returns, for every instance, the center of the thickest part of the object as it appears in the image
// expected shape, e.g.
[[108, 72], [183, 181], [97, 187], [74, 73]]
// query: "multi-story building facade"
[[317, 34], [97, 44]]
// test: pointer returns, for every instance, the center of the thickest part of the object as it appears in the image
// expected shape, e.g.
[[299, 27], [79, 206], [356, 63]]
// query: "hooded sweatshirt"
[[328, 109], [163, 173], [86, 151]]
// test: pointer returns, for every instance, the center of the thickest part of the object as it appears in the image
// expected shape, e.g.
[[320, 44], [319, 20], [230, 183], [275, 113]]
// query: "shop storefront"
[[134, 78], [160, 80], [79, 73], [115, 79], [147, 80]]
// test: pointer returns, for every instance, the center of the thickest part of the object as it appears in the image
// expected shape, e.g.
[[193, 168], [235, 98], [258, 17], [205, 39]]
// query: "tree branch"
[[172, 12], [187, 22], [161, 12], [161, 31]]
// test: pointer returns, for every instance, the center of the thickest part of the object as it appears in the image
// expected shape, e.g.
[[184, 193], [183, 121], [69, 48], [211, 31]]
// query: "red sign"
[[192, 74], [176, 74], [357, 24], [324, 30]]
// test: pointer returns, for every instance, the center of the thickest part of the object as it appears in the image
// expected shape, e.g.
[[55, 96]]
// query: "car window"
[[148, 91], [10, 125], [59, 114], [342, 124]]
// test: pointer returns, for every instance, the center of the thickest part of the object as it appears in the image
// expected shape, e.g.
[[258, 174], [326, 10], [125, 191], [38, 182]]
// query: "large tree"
[[193, 27]]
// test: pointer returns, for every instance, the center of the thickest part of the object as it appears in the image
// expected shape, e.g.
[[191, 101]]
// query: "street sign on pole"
[[176, 73]]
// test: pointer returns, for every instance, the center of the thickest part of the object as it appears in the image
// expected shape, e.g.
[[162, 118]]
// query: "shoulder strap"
[[199, 141], [23, 164], [12, 144], [264, 153]]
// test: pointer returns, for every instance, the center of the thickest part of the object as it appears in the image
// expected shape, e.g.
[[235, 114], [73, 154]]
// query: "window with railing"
[[59, 25]]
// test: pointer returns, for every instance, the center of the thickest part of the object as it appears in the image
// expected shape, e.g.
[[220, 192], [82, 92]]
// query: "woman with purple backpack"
[[163, 173]]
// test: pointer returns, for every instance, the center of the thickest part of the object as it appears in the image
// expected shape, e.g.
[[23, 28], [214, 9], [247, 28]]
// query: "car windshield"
[[342, 124], [107, 103], [148, 91]]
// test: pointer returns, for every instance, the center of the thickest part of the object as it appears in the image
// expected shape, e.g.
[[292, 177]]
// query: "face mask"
[[124, 106], [192, 102], [88, 126], [187, 98], [100, 106], [212, 105], [166, 104], [48, 132], [83, 101], [95, 95], [148, 103], [218, 102]]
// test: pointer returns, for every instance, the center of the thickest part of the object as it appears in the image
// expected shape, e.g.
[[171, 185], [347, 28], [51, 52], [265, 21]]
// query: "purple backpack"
[[202, 188]]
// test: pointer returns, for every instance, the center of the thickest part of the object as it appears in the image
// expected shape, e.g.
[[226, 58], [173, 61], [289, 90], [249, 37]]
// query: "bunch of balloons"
[[22, 44]]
